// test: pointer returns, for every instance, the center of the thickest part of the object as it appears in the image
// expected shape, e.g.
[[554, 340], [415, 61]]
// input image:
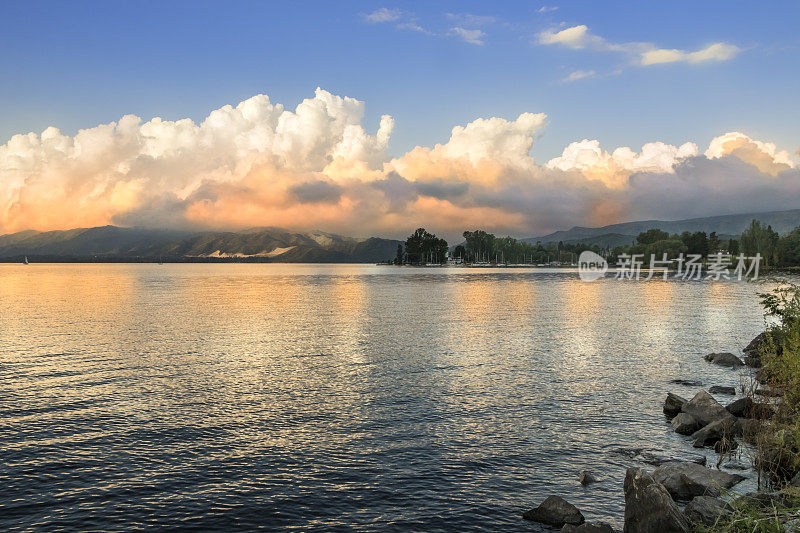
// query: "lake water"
[[339, 397]]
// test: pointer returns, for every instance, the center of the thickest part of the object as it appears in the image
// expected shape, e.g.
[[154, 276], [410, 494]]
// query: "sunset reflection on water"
[[301, 396]]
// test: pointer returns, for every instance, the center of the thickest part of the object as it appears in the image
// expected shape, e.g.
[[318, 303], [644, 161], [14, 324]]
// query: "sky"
[[519, 117]]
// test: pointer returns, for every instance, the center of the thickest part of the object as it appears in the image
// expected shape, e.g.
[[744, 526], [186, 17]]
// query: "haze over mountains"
[[258, 244], [626, 232], [112, 243]]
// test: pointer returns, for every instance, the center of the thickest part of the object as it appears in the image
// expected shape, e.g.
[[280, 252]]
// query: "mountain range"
[[112, 243], [726, 226]]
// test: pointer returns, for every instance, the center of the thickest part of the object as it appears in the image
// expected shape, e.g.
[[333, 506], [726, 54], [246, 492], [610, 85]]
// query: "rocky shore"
[[682, 493]]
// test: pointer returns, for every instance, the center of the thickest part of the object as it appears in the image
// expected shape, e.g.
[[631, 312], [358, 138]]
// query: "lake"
[[339, 397]]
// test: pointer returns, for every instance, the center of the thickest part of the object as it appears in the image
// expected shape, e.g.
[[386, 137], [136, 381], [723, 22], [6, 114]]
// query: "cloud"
[[546, 9], [642, 54], [713, 52], [469, 36], [383, 15], [317, 167], [579, 75]]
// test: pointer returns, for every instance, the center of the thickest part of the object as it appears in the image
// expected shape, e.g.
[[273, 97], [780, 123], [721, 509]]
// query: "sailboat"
[[25, 261]]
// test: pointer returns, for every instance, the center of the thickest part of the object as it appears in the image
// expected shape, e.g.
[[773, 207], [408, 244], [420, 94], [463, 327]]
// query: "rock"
[[795, 482], [555, 511], [704, 408], [673, 404], [687, 382], [657, 457], [588, 527], [792, 526], [724, 359], [649, 507], [685, 424], [586, 477], [684, 481], [763, 500], [706, 510], [769, 393], [747, 408], [755, 344], [717, 389], [752, 361], [723, 429]]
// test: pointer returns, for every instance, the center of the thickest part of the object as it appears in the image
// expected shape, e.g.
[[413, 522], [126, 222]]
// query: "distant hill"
[[623, 233], [258, 244]]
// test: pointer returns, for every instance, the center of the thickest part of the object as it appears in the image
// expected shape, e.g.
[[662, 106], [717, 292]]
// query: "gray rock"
[[723, 429], [686, 480], [588, 527], [555, 511], [752, 361], [649, 507], [795, 482], [687, 382], [718, 389], [764, 500], [706, 510], [769, 393], [685, 424], [755, 344], [673, 404], [586, 478], [705, 408], [724, 359], [657, 457]]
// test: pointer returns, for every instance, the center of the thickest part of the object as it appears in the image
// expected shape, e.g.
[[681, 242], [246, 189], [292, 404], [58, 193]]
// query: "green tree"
[[760, 239], [696, 243], [423, 247], [733, 247], [788, 249], [713, 242], [652, 235], [398, 260]]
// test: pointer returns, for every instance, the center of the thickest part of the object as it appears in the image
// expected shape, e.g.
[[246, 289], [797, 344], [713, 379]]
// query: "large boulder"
[[649, 507], [706, 510], [588, 527], [684, 423], [673, 404], [752, 348], [725, 429], [724, 359], [795, 482], [704, 408], [684, 481], [555, 511]]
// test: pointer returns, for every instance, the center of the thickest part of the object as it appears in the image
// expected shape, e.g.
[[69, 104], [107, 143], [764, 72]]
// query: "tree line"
[[422, 247], [757, 238]]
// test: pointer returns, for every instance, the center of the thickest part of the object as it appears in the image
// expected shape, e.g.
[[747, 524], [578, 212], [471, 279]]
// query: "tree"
[[652, 235], [423, 247], [713, 242], [672, 247], [733, 247], [460, 252], [759, 239], [398, 260], [788, 249], [696, 243]]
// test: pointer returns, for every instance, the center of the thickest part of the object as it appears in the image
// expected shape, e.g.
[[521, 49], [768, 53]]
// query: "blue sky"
[[75, 65]]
